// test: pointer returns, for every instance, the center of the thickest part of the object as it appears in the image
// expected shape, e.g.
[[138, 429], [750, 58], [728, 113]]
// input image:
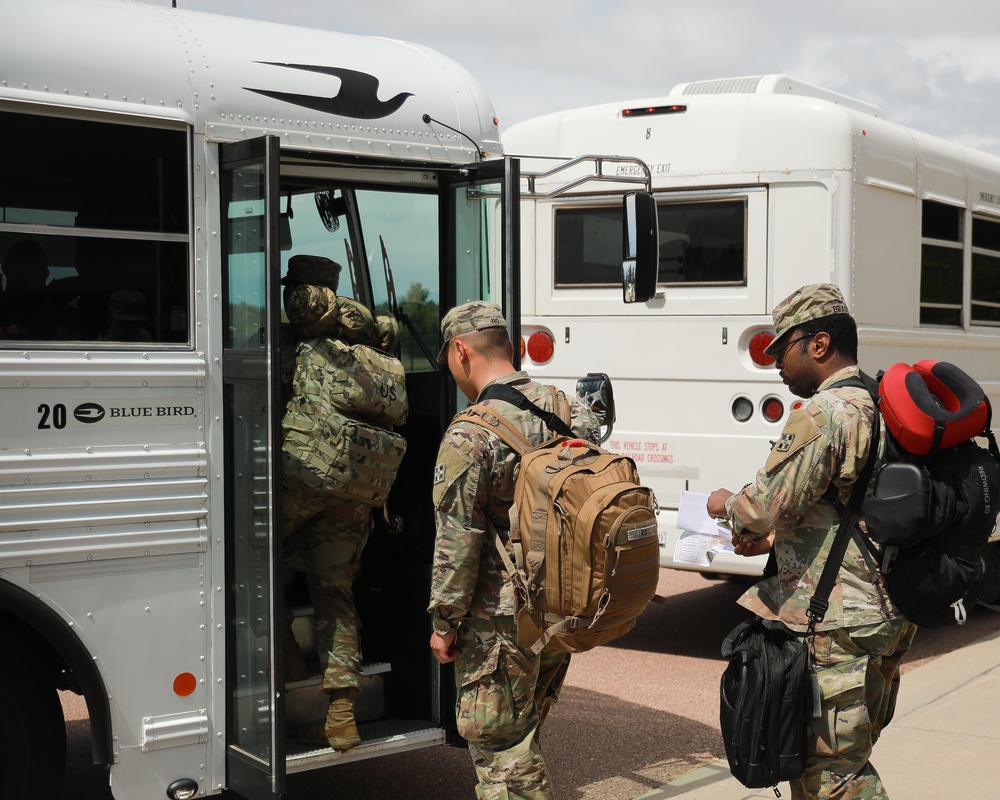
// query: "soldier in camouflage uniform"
[[331, 530], [858, 647], [504, 692]]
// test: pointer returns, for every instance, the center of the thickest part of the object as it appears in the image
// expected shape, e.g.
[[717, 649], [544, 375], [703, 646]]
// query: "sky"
[[929, 65]]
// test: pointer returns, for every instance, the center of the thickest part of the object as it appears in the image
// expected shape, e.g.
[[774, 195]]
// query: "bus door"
[[252, 417], [414, 243], [484, 239]]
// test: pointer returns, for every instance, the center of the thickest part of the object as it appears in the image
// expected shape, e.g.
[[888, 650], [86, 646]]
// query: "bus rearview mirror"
[[596, 393], [640, 247]]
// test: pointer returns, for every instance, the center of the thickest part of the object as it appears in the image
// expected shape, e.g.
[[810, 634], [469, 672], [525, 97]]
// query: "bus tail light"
[[758, 342], [773, 409], [540, 347]]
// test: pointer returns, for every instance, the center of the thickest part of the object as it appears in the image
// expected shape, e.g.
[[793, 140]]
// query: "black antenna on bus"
[[428, 118]]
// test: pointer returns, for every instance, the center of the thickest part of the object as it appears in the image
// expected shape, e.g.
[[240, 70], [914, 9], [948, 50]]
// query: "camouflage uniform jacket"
[[314, 311], [826, 440], [473, 479], [363, 383]]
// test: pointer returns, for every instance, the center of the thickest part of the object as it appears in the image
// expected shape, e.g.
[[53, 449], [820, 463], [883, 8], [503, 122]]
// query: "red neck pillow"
[[931, 405]]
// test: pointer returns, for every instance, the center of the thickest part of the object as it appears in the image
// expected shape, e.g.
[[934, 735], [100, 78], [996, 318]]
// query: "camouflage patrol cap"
[[466, 318], [815, 301], [313, 271]]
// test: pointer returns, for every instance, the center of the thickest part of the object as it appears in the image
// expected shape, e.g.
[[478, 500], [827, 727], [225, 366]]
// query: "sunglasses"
[[779, 358]]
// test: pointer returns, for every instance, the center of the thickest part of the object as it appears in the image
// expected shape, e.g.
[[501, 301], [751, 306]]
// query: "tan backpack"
[[583, 531]]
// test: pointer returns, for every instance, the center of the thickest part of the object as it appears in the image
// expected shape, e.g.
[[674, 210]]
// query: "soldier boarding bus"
[[762, 184], [161, 168]]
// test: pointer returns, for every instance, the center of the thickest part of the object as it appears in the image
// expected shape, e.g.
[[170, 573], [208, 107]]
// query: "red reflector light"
[[756, 347], [646, 111], [773, 409], [540, 347], [185, 684], [522, 348]]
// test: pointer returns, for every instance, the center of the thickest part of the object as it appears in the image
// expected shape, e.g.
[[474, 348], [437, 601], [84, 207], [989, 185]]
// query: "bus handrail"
[[598, 161]]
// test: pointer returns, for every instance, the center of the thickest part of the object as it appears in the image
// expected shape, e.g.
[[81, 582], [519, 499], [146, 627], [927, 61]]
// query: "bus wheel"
[[32, 730]]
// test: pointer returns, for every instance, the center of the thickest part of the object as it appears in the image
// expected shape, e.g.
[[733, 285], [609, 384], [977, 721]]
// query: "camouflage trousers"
[[504, 695], [331, 537], [858, 674]]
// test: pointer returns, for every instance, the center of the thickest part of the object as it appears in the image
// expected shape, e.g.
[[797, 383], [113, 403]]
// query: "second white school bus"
[[159, 169], [763, 184]]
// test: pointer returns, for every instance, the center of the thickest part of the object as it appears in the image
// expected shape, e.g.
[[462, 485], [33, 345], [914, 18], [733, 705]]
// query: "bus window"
[[364, 230], [93, 232], [985, 272], [941, 264], [701, 242], [406, 225]]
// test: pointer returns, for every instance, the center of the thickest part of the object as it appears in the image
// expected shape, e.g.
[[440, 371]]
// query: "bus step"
[[377, 738], [306, 702]]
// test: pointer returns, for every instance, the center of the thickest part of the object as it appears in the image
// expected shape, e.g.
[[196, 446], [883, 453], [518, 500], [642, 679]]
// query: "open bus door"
[[255, 735], [484, 240], [478, 258]]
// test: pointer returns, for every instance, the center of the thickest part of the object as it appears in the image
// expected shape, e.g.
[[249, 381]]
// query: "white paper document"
[[702, 537]]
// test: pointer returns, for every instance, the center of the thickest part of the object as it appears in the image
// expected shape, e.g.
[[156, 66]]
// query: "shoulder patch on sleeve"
[[452, 463], [799, 431]]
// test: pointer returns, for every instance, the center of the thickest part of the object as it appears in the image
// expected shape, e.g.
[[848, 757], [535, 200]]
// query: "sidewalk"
[[943, 742]]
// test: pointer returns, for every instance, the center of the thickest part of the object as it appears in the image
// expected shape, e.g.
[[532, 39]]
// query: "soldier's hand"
[[717, 503], [750, 547], [443, 647]]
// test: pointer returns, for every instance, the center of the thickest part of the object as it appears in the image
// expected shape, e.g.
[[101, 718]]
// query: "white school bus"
[[160, 168], [762, 184]]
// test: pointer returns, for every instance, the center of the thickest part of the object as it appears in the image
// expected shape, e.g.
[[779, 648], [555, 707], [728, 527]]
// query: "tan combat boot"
[[339, 732]]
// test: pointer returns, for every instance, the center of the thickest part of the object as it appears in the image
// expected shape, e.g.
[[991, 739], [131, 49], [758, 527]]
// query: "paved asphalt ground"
[[634, 715]]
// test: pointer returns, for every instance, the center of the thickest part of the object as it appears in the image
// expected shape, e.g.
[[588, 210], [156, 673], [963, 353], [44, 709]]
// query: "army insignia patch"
[[439, 473], [784, 444]]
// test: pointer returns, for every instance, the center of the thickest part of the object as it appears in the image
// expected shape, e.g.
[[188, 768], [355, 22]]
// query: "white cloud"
[[926, 66]]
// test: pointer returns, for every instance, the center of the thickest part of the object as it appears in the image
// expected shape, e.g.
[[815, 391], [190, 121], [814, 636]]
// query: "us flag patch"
[[439, 473]]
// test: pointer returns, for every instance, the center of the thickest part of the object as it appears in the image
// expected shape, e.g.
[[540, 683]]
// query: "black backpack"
[[766, 698], [934, 504]]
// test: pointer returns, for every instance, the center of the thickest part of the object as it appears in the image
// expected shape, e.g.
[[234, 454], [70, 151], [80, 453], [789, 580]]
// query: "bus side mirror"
[[640, 248], [595, 392]]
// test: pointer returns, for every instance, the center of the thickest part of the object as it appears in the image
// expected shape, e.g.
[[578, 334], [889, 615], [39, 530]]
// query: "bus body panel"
[[113, 471], [831, 192]]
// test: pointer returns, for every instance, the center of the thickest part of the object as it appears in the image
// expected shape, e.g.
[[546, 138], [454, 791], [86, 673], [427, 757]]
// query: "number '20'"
[[54, 417]]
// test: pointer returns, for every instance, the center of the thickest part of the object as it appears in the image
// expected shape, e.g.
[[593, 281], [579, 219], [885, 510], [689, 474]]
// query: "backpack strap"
[[501, 391], [494, 423], [819, 602], [988, 431]]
